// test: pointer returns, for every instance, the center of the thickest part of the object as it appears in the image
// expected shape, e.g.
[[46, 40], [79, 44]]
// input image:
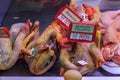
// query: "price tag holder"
[[66, 15], [4, 32], [82, 32]]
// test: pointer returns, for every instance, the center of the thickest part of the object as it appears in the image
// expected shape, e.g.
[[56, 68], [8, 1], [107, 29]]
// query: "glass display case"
[[44, 11]]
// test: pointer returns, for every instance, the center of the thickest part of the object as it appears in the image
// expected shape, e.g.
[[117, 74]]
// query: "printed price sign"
[[81, 32], [66, 15], [4, 32]]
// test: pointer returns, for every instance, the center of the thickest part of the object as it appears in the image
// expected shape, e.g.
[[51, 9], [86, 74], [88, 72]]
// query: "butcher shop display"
[[82, 56], [81, 39]]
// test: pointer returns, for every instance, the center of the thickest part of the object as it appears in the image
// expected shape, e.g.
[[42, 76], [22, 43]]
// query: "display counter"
[[20, 12]]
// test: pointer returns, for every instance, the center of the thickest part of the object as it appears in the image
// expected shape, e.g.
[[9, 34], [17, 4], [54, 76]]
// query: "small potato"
[[72, 75]]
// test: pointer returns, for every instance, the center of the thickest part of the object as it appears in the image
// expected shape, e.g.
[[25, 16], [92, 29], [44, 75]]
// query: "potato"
[[72, 75]]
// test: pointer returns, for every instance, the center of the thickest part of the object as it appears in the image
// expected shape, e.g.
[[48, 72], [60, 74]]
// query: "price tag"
[[81, 32], [4, 32], [66, 15]]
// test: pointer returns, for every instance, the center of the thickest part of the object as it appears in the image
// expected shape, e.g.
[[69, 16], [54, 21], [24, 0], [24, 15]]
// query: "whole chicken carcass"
[[9, 54], [43, 49], [85, 58]]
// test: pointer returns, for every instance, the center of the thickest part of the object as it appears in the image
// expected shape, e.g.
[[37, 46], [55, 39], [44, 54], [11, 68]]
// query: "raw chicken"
[[9, 55], [14, 30], [83, 57], [110, 36], [112, 52], [82, 53], [107, 18], [43, 55]]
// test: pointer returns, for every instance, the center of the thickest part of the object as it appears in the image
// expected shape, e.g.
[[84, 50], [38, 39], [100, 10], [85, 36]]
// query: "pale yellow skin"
[[92, 55], [9, 55], [57, 32], [42, 61], [72, 75]]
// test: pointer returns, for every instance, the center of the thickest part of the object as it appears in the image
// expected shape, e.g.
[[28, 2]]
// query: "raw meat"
[[9, 55]]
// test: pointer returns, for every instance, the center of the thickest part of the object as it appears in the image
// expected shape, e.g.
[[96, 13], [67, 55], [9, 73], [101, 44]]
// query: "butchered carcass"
[[111, 42]]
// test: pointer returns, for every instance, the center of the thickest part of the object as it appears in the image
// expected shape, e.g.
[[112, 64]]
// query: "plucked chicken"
[[8, 54]]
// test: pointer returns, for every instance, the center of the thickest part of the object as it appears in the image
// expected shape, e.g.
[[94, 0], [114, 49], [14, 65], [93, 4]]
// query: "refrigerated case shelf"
[[46, 16]]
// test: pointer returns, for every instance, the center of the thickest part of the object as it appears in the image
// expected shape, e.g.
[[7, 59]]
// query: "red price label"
[[66, 15], [81, 32], [4, 32]]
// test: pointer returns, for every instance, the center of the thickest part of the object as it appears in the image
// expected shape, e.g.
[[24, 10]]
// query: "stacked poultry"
[[40, 50], [83, 57]]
